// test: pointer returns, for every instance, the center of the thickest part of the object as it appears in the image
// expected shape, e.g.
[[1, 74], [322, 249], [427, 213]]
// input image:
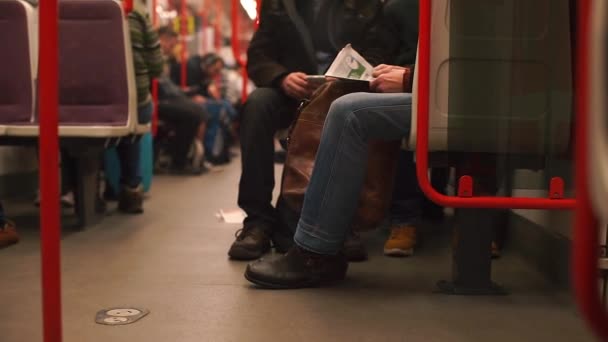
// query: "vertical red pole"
[[203, 16], [258, 8], [154, 81], [585, 244], [184, 34], [49, 172], [236, 47]]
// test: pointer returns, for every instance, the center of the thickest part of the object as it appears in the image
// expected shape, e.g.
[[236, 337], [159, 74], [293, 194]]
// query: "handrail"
[[154, 81], [183, 35], [218, 26], [128, 6], [423, 70], [585, 244], [50, 232], [236, 47]]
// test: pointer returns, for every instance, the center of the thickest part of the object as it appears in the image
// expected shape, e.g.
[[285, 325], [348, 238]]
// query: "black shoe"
[[297, 269], [353, 249], [131, 200], [251, 243]]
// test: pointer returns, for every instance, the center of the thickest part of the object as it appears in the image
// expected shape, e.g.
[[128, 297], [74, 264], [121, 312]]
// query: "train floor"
[[172, 261]]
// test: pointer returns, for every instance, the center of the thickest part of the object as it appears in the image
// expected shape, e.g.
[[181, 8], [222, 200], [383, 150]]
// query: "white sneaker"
[[67, 200]]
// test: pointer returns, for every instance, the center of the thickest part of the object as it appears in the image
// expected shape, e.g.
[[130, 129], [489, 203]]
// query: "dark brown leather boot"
[[297, 269], [251, 242]]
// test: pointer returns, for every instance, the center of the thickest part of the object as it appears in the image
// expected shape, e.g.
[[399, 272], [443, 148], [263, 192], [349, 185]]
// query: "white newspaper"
[[349, 64]]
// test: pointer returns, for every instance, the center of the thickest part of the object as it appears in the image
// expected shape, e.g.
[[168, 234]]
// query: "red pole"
[[50, 248], [184, 34], [203, 22], [128, 6], [236, 47], [258, 8], [154, 81], [585, 244]]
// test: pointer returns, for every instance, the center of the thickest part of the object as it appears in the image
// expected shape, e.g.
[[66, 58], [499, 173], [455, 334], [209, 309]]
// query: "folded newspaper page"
[[349, 64]]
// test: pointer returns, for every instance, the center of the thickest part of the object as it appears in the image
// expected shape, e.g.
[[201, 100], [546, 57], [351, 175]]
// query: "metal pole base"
[[450, 288]]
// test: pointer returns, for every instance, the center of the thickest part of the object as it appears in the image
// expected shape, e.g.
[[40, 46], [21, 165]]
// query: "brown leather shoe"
[[252, 241], [297, 269], [8, 235]]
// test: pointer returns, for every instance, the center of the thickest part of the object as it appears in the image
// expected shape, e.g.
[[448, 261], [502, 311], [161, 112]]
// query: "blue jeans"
[[333, 192], [129, 152]]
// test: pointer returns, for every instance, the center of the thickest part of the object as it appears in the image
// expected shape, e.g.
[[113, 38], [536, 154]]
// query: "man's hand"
[[385, 68], [389, 82], [198, 99], [296, 86]]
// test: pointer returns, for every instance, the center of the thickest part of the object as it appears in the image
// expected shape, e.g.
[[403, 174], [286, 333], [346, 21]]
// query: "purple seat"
[[17, 66], [94, 72]]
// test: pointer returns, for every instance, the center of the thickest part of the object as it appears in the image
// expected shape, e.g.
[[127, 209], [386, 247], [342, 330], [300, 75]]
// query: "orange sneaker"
[[401, 242], [8, 235]]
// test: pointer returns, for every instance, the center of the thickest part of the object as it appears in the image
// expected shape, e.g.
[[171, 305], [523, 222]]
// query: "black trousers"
[[185, 116], [266, 111]]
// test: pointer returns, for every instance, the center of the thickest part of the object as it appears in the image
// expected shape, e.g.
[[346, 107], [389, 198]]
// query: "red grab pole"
[[585, 244], [422, 141], [183, 34], [154, 81], [50, 232], [236, 47], [128, 6]]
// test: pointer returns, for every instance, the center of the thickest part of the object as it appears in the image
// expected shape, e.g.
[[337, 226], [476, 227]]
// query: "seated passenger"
[[186, 115], [148, 63], [333, 192], [219, 135], [405, 211], [292, 43], [201, 72], [8, 232]]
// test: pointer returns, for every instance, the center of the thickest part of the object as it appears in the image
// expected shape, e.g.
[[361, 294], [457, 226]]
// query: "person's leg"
[[131, 193], [333, 193], [406, 210], [265, 112], [186, 117]]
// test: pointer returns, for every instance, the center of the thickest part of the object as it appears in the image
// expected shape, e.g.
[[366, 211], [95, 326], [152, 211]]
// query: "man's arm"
[[263, 65]]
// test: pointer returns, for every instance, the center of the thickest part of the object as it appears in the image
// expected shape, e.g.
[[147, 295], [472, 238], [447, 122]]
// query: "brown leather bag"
[[303, 143]]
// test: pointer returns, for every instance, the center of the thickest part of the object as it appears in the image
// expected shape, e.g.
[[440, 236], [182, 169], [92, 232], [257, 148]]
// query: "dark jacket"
[[284, 42], [402, 16]]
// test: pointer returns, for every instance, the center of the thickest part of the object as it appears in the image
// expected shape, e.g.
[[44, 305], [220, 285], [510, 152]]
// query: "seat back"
[[500, 77], [96, 81], [598, 105], [18, 62]]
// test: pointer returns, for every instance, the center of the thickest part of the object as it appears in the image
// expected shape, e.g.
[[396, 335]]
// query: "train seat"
[[499, 84], [18, 32]]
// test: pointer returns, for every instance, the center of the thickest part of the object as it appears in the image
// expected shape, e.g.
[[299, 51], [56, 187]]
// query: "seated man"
[[201, 73], [219, 136], [185, 114], [332, 195], [8, 233], [297, 39]]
